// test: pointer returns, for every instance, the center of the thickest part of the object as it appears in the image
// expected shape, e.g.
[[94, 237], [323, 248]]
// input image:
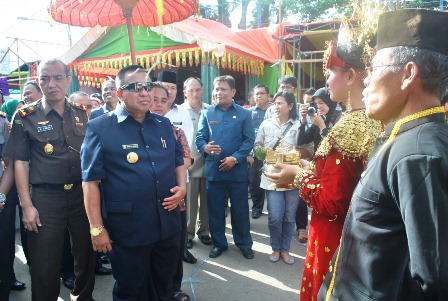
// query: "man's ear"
[[410, 74]]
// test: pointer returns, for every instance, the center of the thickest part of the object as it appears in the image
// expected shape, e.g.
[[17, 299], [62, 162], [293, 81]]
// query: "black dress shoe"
[[247, 253], [103, 271], [205, 239], [189, 243], [17, 285], [216, 252], [256, 214], [188, 257], [104, 259], [69, 283]]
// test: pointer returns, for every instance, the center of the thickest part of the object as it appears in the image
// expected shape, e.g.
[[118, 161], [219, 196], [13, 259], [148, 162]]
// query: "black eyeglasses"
[[137, 87]]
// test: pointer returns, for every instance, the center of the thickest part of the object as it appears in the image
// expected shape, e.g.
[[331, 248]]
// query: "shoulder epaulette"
[[2, 114], [27, 110], [78, 106]]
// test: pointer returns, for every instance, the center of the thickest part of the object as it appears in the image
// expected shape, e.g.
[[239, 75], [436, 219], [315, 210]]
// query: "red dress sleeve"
[[330, 188]]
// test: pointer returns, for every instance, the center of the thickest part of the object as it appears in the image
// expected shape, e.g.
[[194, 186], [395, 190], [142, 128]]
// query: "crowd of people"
[[132, 178]]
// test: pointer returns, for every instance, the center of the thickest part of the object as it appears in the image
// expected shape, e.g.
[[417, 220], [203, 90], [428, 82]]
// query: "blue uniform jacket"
[[233, 131], [133, 192], [100, 111]]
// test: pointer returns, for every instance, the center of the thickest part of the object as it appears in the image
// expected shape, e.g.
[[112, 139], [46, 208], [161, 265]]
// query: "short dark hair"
[[97, 95], [34, 84], [110, 80], [159, 84], [225, 78], [190, 79], [290, 99], [262, 86], [310, 91], [122, 73], [76, 94], [288, 79], [54, 60]]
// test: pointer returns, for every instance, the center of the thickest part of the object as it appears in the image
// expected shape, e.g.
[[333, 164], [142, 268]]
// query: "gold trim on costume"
[[407, 119], [353, 136]]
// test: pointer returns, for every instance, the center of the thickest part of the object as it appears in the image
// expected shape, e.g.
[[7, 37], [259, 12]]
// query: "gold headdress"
[[358, 31]]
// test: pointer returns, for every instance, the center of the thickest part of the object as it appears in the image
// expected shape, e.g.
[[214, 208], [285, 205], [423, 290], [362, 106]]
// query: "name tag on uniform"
[[177, 122], [130, 146], [213, 122], [45, 128]]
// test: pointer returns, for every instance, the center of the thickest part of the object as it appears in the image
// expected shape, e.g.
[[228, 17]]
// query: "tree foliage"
[[309, 11], [301, 11]]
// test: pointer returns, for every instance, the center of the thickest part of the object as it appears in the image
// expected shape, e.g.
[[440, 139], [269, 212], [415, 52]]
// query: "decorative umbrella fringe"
[[94, 72]]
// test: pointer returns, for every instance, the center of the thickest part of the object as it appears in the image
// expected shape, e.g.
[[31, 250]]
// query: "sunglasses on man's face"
[[137, 87]]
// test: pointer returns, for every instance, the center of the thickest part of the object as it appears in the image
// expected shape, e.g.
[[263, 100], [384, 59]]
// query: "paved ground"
[[229, 277]]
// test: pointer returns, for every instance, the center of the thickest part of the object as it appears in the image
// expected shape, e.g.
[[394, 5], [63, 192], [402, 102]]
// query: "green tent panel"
[[116, 42]]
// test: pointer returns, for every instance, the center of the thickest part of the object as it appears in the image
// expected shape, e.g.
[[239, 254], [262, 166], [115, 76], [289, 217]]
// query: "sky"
[[40, 37], [31, 40]]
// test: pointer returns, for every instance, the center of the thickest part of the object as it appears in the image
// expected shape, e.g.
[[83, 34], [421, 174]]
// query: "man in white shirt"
[[196, 193], [177, 115]]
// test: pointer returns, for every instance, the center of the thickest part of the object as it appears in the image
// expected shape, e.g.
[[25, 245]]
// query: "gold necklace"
[[392, 136], [409, 118]]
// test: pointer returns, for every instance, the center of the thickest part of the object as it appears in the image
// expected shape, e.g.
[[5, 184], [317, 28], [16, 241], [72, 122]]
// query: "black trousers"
[[180, 267], [59, 210], [145, 273], [257, 193], [7, 243], [302, 215]]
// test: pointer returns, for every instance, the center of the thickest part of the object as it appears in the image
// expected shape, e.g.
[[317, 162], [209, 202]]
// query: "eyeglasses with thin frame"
[[137, 87], [369, 69]]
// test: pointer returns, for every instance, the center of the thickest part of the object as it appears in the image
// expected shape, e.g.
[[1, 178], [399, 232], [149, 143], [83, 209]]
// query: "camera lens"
[[311, 111]]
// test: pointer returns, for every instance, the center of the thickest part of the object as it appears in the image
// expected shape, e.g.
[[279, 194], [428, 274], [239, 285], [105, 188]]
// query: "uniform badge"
[[43, 122], [234, 117], [213, 122], [132, 157], [48, 148], [44, 128], [77, 118], [129, 146]]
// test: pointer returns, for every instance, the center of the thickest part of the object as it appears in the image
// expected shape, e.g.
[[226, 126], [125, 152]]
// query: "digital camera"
[[312, 109]]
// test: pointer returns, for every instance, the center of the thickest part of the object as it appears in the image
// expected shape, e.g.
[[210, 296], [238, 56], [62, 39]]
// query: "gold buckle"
[[68, 186]]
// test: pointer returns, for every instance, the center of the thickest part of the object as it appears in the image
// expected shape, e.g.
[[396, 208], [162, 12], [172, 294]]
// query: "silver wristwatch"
[[2, 198]]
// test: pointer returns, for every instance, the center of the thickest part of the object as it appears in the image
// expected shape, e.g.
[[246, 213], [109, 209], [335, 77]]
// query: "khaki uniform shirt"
[[50, 142]]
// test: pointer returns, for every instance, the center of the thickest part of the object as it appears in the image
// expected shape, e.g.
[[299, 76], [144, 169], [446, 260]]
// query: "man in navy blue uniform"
[[109, 91], [140, 165], [225, 138]]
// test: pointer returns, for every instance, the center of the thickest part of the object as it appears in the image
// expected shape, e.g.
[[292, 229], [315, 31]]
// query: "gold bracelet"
[[298, 178]]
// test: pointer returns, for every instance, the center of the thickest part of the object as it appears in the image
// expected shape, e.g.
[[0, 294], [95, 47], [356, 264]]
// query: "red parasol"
[[89, 13]]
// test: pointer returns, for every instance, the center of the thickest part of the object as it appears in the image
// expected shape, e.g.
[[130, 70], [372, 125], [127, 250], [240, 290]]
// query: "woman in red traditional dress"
[[327, 183]]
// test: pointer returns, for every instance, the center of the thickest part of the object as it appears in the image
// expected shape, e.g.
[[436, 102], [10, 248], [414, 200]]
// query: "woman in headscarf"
[[324, 117], [11, 106]]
